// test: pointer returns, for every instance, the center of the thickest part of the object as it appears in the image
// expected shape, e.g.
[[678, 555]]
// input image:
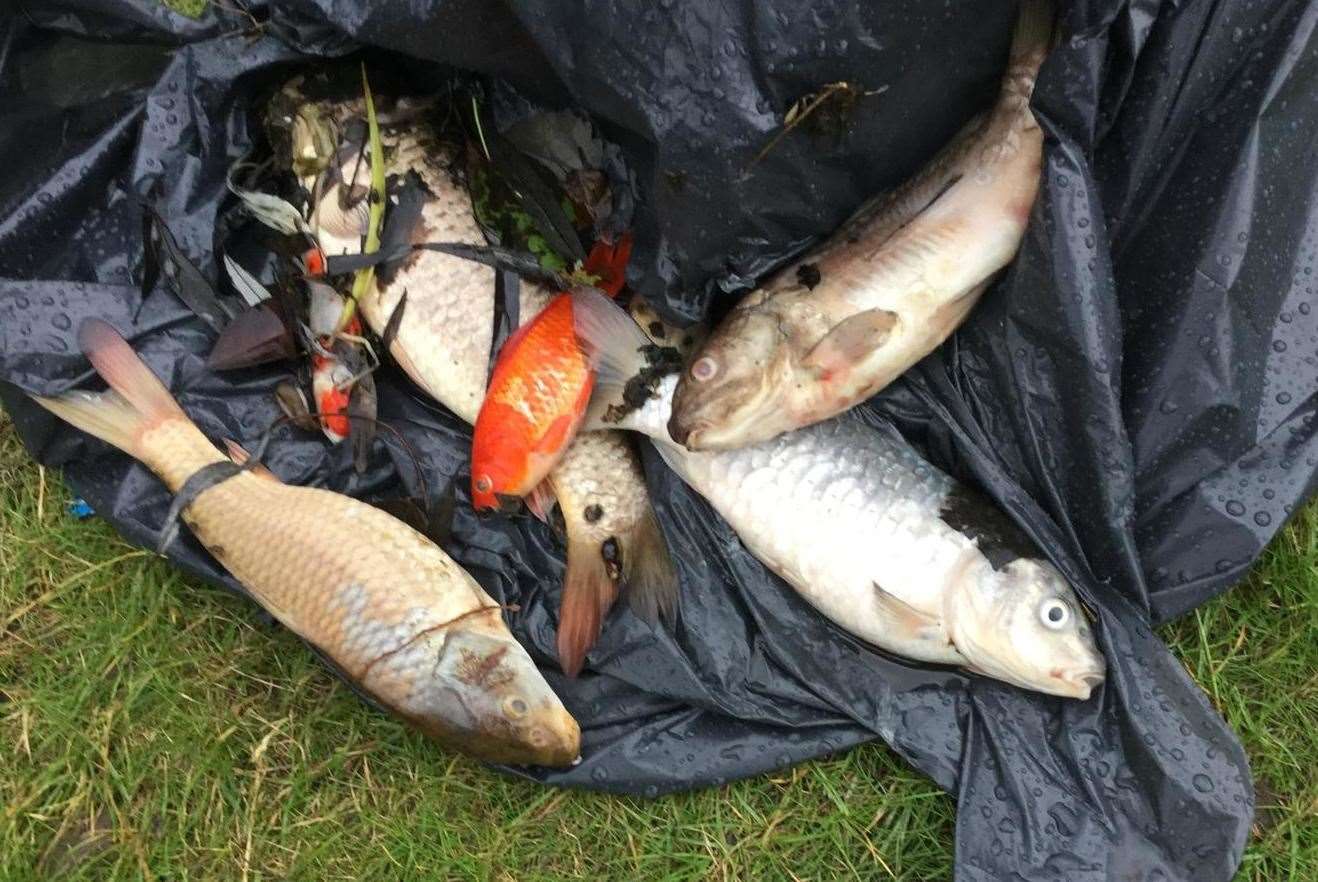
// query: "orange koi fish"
[[537, 395]]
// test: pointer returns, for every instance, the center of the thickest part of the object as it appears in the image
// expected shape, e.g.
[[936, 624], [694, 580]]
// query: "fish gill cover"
[[1138, 391]]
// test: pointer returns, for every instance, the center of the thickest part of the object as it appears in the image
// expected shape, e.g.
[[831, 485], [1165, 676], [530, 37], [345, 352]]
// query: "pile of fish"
[[398, 223]]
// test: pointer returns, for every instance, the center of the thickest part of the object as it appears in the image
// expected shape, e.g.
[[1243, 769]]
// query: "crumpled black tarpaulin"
[[1138, 391]]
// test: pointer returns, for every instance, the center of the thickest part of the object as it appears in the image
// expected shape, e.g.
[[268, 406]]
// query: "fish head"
[[486, 696], [1024, 625], [499, 462], [733, 391]]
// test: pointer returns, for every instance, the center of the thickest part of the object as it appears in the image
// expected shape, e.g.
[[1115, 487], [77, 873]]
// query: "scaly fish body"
[[399, 617], [538, 392], [443, 343], [840, 324], [878, 540], [533, 407]]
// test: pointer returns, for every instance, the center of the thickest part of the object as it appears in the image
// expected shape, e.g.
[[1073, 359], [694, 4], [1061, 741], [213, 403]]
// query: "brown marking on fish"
[[808, 275], [483, 673]]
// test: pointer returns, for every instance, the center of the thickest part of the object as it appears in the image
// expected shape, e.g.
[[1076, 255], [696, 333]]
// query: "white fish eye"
[[484, 484], [704, 369], [1054, 614], [515, 708]]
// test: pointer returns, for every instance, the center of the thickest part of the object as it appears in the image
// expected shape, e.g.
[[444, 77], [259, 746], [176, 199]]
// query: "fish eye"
[[484, 484], [515, 708], [1054, 614], [704, 369]]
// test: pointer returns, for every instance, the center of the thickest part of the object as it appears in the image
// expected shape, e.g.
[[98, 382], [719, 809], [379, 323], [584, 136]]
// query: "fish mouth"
[[507, 503], [1082, 684], [685, 433]]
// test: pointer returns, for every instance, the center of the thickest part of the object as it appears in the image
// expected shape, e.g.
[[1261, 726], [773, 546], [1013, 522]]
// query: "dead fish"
[[401, 619], [882, 543], [443, 341], [837, 326]]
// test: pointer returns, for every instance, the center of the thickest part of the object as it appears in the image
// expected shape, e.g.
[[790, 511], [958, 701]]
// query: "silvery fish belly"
[[837, 326]]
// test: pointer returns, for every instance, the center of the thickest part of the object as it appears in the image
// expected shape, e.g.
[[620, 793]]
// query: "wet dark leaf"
[[256, 336]]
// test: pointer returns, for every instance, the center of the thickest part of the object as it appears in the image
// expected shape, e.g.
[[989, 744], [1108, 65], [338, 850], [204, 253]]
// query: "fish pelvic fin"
[[589, 590], [136, 401], [652, 584]]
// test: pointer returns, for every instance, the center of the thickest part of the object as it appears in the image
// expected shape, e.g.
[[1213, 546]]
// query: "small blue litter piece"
[[80, 509]]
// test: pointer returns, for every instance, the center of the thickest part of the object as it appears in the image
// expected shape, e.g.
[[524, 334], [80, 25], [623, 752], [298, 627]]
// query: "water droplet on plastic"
[[1000, 793], [1278, 345], [1283, 398], [1007, 825], [1235, 507], [1262, 518], [61, 321], [1168, 407], [22, 302], [1303, 308], [1203, 783], [600, 774], [1269, 493], [651, 791], [1178, 754], [1286, 317]]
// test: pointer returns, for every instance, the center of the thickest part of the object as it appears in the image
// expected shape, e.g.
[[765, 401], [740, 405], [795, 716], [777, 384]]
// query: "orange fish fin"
[[554, 441], [541, 500], [136, 401], [608, 261], [588, 593]]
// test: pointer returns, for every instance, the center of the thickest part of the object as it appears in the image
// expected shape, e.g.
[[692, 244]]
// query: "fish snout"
[[679, 430], [555, 737]]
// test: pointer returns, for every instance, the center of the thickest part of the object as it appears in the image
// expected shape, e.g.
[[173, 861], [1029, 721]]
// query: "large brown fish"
[[443, 343], [397, 615], [840, 324]]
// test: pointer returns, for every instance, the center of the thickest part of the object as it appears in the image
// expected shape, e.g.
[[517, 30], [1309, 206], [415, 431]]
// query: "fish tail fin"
[[588, 593], [1035, 28], [135, 402], [1031, 41], [652, 585]]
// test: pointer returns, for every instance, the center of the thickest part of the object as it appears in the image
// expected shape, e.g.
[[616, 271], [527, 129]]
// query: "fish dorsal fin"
[[852, 340]]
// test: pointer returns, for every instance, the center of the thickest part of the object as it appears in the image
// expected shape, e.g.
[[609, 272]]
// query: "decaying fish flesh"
[[875, 538], [401, 619], [840, 324]]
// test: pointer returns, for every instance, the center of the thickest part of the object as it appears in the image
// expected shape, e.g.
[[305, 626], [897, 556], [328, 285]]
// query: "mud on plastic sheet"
[[1138, 390]]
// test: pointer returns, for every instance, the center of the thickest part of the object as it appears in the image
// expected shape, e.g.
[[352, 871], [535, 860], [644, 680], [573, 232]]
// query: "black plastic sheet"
[[1139, 391]]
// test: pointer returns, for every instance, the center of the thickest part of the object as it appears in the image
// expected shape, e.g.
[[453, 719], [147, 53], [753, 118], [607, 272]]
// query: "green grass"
[[154, 729]]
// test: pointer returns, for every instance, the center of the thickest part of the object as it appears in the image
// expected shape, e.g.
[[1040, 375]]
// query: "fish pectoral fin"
[[921, 625], [852, 340], [541, 500]]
